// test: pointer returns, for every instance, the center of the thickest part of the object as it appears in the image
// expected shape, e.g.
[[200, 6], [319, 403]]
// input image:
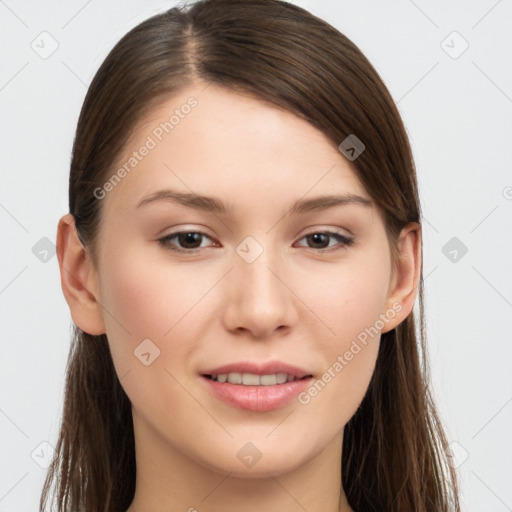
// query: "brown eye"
[[322, 240], [184, 241]]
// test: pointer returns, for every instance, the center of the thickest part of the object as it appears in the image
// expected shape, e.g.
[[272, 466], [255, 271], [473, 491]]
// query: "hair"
[[395, 452]]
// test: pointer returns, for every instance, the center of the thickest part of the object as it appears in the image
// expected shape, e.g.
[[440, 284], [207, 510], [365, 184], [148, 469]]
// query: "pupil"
[[190, 238], [319, 238]]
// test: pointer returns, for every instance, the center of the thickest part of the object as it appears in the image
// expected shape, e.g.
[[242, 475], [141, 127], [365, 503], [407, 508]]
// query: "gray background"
[[457, 106]]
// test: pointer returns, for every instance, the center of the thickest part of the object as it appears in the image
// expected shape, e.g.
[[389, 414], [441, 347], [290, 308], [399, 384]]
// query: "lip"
[[259, 369], [257, 398]]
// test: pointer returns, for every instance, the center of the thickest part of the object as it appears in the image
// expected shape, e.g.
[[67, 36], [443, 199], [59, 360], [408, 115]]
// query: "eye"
[[321, 240], [188, 240]]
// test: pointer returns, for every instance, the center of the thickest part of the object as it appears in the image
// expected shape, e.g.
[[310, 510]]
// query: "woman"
[[241, 260]]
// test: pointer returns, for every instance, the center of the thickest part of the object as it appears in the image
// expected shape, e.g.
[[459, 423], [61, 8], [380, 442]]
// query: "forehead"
[[215, 141]]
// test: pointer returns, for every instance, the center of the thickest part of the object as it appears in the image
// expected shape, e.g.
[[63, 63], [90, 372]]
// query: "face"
[[263, 273]]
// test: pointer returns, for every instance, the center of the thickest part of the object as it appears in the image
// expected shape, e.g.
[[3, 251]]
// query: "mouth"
[[256, 388], [253, 379]]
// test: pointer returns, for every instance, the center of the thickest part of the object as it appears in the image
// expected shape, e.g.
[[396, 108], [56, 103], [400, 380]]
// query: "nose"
[[260, 298]]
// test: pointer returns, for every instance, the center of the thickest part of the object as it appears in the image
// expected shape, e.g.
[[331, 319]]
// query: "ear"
[[78, 278], [405, 276]]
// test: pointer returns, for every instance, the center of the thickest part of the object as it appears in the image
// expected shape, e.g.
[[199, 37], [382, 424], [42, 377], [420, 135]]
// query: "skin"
[[294, 303]]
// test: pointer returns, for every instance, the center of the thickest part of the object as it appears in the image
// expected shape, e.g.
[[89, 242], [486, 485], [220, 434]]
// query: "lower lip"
[[257, 398]]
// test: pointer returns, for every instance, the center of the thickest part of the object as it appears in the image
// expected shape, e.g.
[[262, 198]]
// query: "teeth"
[[281, 378], [251, 379], [235, 378], [267, 380]]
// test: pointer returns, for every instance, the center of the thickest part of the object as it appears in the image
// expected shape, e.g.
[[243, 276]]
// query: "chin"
[[247, 461], [258, 471]]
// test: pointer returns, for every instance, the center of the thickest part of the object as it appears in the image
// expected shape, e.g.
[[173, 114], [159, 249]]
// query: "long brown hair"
[[395, 453]]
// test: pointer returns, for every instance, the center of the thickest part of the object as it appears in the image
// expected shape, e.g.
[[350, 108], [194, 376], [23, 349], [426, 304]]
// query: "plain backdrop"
[[448, 66]]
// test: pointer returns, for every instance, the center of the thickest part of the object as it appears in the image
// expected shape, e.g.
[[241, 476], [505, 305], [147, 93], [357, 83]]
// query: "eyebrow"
[[214, 205]]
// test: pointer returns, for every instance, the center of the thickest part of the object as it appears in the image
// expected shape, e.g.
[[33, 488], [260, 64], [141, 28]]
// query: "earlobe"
[[78, 278], [405, 280]]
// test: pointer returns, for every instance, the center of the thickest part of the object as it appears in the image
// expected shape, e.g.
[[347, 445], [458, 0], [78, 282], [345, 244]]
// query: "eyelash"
[[344, 241]]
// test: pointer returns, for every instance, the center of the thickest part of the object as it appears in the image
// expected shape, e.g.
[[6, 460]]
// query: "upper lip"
[[268, 368]]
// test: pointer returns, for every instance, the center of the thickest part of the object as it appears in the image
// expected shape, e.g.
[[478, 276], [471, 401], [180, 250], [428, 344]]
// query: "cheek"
[[153, 302], [350, 300], [148, 295], [149, 301], [350, 296]]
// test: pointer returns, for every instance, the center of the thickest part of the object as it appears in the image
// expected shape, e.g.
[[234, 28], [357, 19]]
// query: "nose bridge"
[[260, 301], [260, 282]]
